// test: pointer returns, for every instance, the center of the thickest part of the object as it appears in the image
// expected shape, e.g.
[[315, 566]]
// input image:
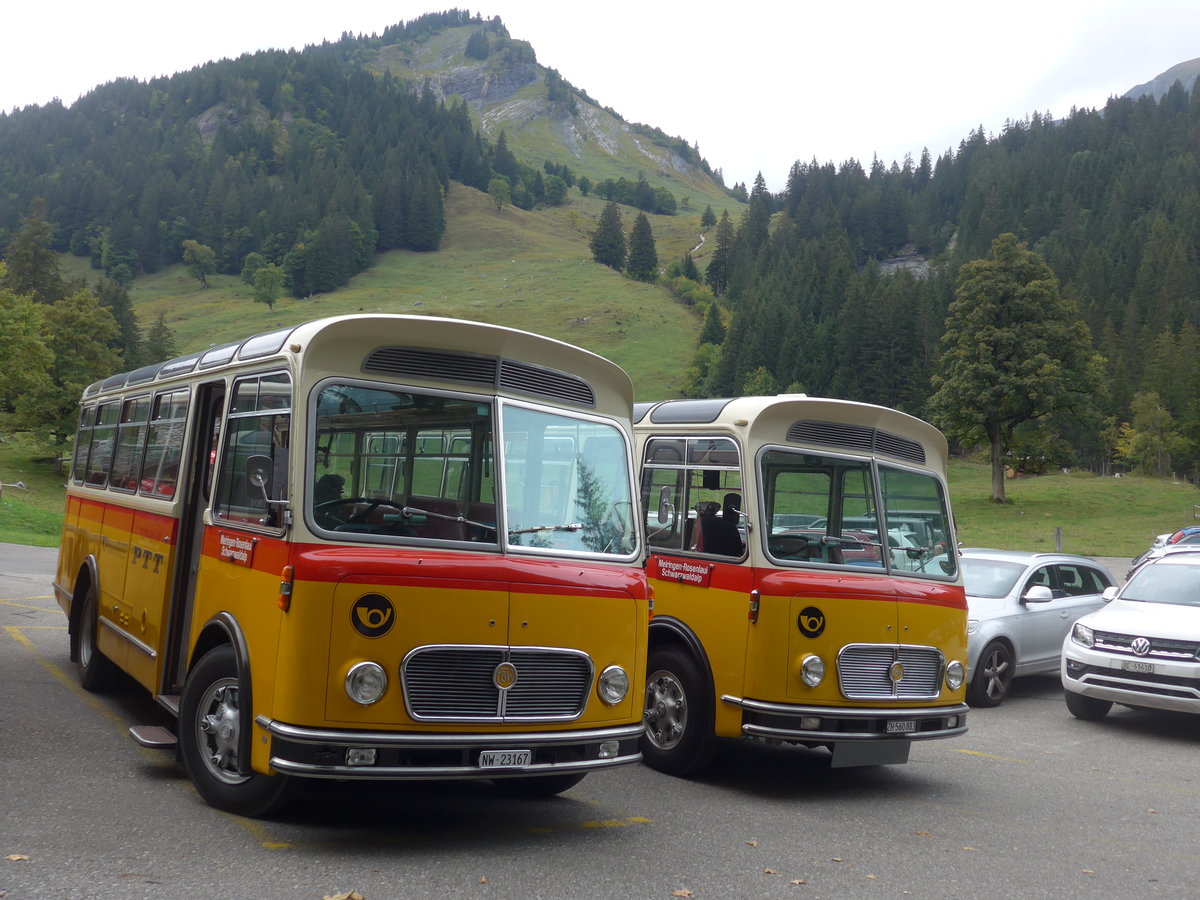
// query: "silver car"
[[1020, 608], [1143, 648]]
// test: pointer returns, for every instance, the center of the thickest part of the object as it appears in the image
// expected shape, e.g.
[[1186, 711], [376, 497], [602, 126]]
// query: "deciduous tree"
[[200, 261], [1015, 350]]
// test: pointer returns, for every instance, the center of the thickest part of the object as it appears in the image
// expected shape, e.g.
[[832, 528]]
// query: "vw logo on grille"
[[1140, 646], [504, 675], [896, 672]]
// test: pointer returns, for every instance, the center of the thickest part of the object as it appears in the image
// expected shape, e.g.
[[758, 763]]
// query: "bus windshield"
[[402, 464]]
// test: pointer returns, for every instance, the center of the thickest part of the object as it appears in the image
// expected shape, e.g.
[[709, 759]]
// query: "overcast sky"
[[758, 84]]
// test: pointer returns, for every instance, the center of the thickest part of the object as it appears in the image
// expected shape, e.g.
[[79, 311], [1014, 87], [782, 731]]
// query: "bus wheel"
[[96, 671], [209, 732], [679, 729], [534, 786]]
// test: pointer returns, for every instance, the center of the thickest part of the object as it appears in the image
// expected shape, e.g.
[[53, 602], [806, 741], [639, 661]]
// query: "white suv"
[[1143, 648]]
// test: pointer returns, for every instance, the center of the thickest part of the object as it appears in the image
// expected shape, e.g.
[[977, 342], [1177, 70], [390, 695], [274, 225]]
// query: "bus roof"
[[798, 418], [426, 347]]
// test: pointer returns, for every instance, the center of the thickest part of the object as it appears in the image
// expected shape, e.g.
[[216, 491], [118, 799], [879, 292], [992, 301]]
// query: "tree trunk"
[[997, 443]]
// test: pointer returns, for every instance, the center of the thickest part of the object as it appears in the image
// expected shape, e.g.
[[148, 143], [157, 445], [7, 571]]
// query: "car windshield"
[[990, 577], [1172, 583]]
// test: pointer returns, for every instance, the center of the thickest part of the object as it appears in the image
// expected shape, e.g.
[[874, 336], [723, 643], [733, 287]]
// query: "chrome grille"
[[454, 683], [1160, 648], [864, 672]]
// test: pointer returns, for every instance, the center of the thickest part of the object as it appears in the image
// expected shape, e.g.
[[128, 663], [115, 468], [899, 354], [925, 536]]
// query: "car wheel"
[[679, 728], [96, 671], [993, 676], [532, 787], [209, 737], [1089, 709]]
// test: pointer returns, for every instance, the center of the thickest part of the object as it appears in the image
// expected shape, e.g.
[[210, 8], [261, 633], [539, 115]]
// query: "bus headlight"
[[613, 685], [366, 682], [812, 670], [956, 673]]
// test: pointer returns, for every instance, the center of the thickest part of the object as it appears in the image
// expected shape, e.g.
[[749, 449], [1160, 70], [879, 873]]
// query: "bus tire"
[[96, 671], [209, 731], [679, 726], [533, 787]]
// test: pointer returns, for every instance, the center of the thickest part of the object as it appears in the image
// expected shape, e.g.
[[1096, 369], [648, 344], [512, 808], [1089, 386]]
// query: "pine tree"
[[32, 264], [717, 273], [708, 218], [713, 331], [608, 241], [643, 257]]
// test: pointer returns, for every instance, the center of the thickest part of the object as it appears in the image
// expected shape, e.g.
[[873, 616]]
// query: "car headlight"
[[812, 670], [366, 682], [1081, 634], [956, 673], [972, 626], [613, 685]]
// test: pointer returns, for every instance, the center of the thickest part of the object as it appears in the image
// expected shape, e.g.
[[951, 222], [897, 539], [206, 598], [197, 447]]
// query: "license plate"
[[901, 726], [1130, 666], [504, 759]]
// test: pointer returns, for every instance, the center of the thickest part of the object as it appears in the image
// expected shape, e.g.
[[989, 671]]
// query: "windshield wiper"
[[409, 511], [576, 526]]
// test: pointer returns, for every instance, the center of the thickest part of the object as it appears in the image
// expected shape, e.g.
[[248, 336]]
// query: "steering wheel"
[[327, 509], [789, 545]]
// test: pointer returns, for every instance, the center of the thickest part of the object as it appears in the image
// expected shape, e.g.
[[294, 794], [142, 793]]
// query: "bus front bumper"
[[399, 756], [844, 727]]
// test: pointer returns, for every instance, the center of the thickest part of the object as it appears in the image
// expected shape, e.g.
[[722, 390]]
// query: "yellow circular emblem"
[[896, 672], [505, 675]]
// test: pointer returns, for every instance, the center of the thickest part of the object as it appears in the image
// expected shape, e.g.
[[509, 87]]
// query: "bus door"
[[201, 451], [149, 444], [919, 536], [696, 530], [828, 585]]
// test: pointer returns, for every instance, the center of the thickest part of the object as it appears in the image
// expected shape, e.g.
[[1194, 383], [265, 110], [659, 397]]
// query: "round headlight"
[[956, 673], [812, 670], [613, 685], [366, 682]]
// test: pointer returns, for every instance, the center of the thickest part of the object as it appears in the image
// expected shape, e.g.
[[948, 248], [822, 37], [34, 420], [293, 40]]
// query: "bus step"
[[156, 737]]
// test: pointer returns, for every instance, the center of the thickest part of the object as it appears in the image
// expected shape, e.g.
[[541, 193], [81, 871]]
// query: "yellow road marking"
[[1023, 762]]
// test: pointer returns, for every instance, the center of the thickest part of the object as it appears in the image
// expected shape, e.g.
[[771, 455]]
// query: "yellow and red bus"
[[806, 584], [365, 547]]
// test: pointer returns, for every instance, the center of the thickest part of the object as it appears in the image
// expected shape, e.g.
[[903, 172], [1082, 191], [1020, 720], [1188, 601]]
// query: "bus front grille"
[[458, 683], [890, 672]]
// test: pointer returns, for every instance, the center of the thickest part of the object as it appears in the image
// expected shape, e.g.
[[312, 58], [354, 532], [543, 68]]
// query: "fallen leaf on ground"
[[16, 857], [683, 892], [770, 872], [345, 895], [797, 881], [751, 843]]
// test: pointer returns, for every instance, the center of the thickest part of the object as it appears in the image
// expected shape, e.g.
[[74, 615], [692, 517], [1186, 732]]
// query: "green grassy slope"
[[530, 270]]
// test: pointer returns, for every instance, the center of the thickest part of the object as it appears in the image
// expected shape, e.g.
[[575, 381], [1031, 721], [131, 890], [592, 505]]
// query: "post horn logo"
[[373, 615], [811, 622]]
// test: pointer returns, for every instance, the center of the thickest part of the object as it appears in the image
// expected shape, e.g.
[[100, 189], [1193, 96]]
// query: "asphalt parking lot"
[[1029, 803]]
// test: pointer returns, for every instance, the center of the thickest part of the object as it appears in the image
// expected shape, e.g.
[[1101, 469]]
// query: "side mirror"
[[1110, 592], [1039, 593], [665, 509], [259, 471]]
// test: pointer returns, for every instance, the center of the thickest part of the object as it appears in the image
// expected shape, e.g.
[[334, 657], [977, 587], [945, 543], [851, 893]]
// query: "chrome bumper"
[[782, 722], [324, 753]]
